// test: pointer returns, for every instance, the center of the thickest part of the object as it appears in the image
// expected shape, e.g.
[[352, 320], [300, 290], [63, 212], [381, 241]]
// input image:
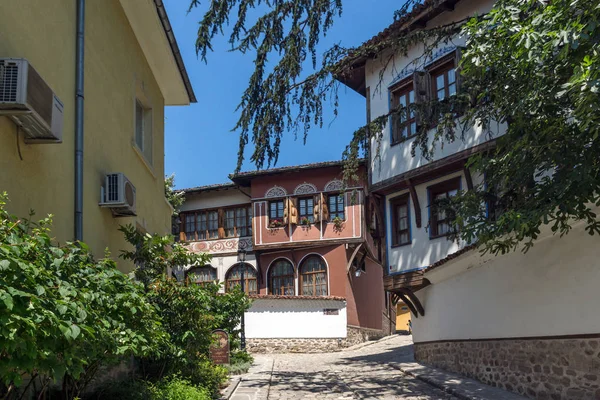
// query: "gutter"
[[79, 74], [164, 19]]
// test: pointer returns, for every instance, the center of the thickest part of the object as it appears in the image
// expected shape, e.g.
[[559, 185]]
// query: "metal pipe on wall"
[[79, 73]]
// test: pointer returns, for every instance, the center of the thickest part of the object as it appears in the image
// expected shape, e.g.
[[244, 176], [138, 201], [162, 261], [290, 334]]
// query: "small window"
[[201, 275], [281, 278], [190, 228], [336, 207], [201, 225], [234, 278], [404, 125], [305, 210], [440, 223], [444, 80], [276, 213], [143, 130], [213, 224], [243, 221], [401, 221], [313, 277], [230, 223]]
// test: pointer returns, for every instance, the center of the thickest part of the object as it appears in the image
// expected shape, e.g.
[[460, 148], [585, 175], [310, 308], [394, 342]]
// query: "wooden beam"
[[415, 300], [399, 181], [409, 304], [415, 201], [352, 257], [468, 177]]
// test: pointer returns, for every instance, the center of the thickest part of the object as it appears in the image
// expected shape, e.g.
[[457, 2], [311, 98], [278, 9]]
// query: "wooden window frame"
[[301, 274], [308, 215], [291, 276], [247, 279], [201, 283], [441, 68], [271, 218], [403, 200], [402, 89], [434, 190], [197, 213], [336, 212]]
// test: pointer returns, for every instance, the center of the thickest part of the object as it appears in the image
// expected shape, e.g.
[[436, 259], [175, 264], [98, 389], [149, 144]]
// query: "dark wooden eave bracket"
[[411, 301], [415, 201]]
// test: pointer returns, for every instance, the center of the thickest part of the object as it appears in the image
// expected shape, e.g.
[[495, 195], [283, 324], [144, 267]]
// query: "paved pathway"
[[365, 373]]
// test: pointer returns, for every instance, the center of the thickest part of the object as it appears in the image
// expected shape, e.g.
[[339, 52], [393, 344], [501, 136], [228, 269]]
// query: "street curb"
[[230, 389], [485, 392], [439, 385]]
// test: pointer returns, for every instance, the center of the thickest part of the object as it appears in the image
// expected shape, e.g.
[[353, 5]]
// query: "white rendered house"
[[528, 323]]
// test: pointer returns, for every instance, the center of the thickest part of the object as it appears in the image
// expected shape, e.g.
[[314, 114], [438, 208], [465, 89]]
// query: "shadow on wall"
[[295, 306]]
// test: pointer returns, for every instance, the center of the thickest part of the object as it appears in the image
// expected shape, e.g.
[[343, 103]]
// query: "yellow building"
[[402, 317], [131, 70]]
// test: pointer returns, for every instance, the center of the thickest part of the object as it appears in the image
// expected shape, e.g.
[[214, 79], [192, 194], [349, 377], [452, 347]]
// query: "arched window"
[[201, 275], [281, 278], [313, 277], [234, 278]]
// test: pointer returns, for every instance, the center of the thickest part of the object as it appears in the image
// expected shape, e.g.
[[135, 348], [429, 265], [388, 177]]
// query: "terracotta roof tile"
[[452, 256]]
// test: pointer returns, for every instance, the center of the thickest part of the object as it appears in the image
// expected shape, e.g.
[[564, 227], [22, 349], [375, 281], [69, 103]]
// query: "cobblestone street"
[[365, 373]]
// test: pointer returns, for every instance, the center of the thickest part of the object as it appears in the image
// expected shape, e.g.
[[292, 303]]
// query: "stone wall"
[[355, 335], [555, 369]]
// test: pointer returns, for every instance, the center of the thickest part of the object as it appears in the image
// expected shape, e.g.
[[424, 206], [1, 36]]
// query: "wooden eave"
[[413, 280], [427, 172]]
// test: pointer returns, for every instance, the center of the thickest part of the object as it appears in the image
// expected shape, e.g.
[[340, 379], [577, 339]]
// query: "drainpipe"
[[79, 121]]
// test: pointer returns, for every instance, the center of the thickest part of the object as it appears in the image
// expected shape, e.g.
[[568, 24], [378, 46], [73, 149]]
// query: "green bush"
[[173, 388], [122, 390], [189, 312], [63, 314], [178, 389], [240, 363]]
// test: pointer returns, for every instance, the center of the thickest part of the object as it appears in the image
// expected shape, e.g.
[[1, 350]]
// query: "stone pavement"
[[365, 372]]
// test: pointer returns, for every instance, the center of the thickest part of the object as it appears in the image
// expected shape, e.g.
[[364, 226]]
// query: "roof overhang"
[[151, 26], [353, 75]]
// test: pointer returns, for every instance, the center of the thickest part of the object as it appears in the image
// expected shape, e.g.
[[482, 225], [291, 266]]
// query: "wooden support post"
[[408, 304], [468, 177], [415, 300]]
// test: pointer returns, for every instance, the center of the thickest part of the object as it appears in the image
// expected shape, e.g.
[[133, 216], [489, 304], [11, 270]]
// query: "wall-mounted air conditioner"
[[118, 194], [28, 100]]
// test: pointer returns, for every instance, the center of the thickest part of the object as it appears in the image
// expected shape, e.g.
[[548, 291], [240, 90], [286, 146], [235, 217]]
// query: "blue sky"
[[199, 145]]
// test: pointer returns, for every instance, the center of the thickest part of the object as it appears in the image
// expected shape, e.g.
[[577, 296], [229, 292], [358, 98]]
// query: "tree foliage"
[[63, 314], [174, 197], [530, 65], [188, 312]]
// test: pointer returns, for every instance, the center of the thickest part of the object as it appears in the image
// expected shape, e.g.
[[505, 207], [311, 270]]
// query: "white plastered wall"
[[296, 318], [551, 290], [397, 159], [422, 251]]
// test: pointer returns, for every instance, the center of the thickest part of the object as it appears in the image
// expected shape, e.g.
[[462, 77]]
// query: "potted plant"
[[275, 223], [305, 221], [338, 223]]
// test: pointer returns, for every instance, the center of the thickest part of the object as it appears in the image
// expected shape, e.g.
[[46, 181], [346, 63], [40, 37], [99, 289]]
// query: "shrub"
[[178, 389], [63, 314], [240, 363], [122, 390]]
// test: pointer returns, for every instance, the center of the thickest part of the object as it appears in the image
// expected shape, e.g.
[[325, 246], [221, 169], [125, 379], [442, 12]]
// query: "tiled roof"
[[206, 188], [354, 77], [452, 256], [243, 176], [281, 297]]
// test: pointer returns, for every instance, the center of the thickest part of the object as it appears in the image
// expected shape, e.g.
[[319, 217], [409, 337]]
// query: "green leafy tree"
[[529, 64], [174, 197], [64, 315], [189, 313]]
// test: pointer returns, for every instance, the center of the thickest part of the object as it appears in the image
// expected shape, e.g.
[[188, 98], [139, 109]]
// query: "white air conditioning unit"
[[118, 194], [28, 100]]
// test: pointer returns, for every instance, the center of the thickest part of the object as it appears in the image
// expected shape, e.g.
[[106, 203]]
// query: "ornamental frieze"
[[222, 246]]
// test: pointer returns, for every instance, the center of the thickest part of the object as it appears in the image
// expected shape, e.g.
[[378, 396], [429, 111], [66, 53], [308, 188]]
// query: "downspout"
[[79, 72]]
